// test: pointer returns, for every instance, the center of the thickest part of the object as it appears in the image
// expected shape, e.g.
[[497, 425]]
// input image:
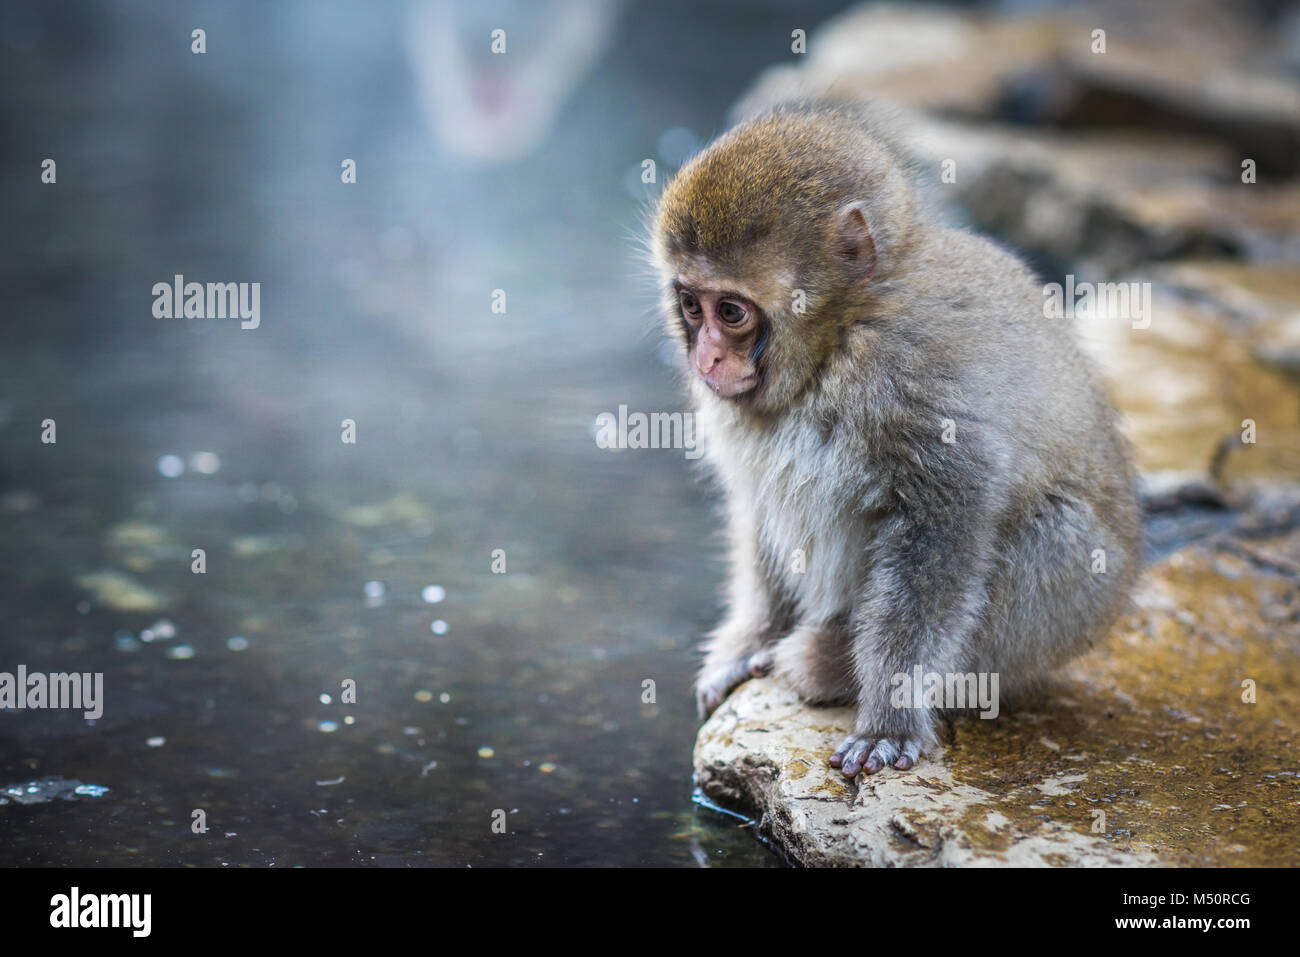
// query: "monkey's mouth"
[[734, 388]]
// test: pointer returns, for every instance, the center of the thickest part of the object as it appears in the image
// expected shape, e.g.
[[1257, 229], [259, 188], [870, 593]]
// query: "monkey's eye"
[[690, 305], [731, 313]]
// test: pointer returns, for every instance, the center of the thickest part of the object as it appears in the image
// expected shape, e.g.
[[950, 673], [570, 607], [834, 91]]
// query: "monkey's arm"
[[734, 651], [924, 595]]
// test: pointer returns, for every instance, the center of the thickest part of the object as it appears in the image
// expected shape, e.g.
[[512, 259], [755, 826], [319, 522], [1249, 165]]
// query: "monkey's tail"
[[1171, 491]]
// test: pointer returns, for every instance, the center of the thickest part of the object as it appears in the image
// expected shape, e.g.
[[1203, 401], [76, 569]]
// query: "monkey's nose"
[[706, 363]]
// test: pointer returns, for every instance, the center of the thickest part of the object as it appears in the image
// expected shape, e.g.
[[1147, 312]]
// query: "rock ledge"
[[1143, 753]]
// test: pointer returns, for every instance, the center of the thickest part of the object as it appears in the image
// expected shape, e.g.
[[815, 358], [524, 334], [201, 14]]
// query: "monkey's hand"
[[719, 680], [870, 753]]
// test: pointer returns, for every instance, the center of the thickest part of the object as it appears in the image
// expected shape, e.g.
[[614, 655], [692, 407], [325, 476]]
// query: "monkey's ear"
[[852, 244]]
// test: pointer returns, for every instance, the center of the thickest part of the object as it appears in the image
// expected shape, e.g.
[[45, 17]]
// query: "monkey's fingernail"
[[836, 760], [872, 766], [903, 763]]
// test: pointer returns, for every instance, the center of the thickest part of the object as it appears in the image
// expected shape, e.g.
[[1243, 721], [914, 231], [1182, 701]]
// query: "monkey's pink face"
[[723, 330]]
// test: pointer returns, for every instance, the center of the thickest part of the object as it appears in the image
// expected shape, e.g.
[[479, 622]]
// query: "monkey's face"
[[743, 340], [723, 330]]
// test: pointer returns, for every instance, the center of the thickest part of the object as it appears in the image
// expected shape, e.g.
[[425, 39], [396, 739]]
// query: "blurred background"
[[520, 687]]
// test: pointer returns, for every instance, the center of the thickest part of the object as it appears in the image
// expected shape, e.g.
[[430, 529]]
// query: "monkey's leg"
[[814, 660], [725, 670], [1051, 594], [735, 651], [921, 604]]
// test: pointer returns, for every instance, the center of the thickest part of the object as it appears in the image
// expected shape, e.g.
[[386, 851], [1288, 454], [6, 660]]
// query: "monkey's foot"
[[715, 684], [866, 752]]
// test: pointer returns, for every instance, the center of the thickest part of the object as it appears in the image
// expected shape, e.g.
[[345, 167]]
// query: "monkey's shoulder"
[[969, 318], [964, 274]]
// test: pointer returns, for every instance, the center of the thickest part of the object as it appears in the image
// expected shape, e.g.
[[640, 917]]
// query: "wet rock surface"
[[1107, 199], [1102, 150], [1188, 384], [1145, 752]]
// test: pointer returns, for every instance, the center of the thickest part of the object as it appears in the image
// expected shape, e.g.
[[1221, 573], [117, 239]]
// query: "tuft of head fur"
[[783, 176]]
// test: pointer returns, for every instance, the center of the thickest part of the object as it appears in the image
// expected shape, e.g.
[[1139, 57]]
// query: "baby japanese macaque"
[[919, 468]]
